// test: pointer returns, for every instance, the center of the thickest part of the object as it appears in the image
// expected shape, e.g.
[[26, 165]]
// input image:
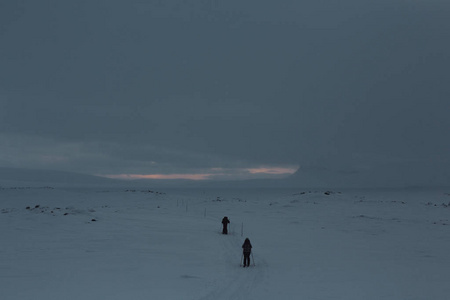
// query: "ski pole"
[[242, 256], [253, 259]]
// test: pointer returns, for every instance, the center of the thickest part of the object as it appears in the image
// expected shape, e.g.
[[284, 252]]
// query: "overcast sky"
[[240, 89]]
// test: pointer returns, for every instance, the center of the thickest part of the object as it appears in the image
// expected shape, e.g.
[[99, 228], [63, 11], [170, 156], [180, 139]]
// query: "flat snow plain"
[[120, 243]]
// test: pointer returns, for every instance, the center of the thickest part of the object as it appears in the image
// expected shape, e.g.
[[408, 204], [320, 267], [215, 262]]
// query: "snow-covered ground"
[[119, 243]]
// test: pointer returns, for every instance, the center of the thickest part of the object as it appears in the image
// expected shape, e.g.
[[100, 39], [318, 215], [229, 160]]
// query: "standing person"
[[247, 249], [225, 223]]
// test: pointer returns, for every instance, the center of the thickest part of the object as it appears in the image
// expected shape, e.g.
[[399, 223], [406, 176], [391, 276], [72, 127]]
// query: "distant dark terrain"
[[36, 176], [307, 177]]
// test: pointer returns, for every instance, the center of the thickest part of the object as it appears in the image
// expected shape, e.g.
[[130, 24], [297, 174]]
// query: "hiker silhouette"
[[225, 223], [247, 250]]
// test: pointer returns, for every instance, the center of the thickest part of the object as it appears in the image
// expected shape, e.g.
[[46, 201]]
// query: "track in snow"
[[237, 282]]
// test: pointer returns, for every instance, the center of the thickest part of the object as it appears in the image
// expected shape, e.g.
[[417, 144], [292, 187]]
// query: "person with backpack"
[[225, 223], [247, 250]]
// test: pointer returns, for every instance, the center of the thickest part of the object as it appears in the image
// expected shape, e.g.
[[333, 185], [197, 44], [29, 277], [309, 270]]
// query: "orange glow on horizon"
[[160, 176], [214, 173], [275, 171]]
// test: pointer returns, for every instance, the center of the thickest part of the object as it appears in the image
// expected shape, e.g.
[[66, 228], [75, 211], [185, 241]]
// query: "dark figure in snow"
[[247, 249], [225, 223]]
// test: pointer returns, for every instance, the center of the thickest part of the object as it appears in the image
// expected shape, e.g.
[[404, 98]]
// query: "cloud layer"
[[170, 87]]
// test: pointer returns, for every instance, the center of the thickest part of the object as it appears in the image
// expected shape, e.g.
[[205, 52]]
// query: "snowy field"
[[118, 243]]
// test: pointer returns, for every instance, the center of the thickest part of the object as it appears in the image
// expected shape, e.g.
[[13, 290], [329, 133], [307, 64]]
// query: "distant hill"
[[14, 176], [381, 175]]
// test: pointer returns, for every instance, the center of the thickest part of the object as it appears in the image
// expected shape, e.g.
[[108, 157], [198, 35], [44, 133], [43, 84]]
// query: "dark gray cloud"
[[183, 86]]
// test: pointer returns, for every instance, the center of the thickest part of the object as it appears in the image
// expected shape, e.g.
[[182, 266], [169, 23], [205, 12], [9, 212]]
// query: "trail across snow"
[[235, 282], [118, 243]]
